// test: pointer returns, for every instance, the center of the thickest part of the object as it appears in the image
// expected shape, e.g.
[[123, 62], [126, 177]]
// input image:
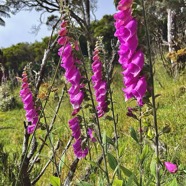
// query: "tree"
[[79, 10], [3, 13], [105, 28]]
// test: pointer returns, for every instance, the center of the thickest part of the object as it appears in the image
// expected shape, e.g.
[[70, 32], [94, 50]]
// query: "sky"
[[19, 28]]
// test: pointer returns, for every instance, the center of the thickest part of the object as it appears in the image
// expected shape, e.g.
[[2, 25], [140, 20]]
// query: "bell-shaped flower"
[[76, 99], [139, 90], [123, 15], [99, 85], [28, 104], [78, 150], [91, 135], [132, 61], [75, 127], [136, 64], [172, 168], [124, 4]]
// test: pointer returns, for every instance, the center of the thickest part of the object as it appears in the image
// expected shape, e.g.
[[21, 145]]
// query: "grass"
[[171, 111]]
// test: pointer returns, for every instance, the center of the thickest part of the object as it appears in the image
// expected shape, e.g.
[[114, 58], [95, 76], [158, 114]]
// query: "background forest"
[[130, 144]]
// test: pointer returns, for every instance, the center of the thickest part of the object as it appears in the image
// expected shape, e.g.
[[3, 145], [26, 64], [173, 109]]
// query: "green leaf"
[[62, 162], [121, 150], [133, 134], [129, 174], [153, 166], [118, 182], [130, 181], [173, 183], [55, 181], [94, 164], [105, 141], [110, 141], [109, 118], [150, 180], [112, 161], [126, 171], [83, 183], [144, 153]]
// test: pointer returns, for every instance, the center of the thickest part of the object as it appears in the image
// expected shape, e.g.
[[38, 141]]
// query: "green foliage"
[[3, 13], [105, 28], [133, 134], [112, 161], [7, 100], [8, 166], [55, 181], [18, 56]]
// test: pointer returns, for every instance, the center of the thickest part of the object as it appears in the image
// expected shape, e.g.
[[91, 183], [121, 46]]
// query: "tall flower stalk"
[[99, 84], [70, 63], [72, 73], [130, 57], [28, 102], [153, 97]]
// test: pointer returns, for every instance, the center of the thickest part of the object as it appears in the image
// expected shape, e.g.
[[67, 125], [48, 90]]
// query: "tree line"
[[166, 20]]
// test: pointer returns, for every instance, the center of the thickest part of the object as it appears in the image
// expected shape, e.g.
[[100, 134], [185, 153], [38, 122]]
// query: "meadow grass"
[[171, 111]]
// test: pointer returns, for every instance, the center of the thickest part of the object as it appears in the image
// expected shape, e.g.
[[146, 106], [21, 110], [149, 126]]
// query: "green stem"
[[141, 148], [86, 128], [153, 96], [98, 125], [113, 113], [28, 147]]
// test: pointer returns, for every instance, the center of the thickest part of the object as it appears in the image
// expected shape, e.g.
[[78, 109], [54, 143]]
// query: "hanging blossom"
[[172, 168], [73, 76], [72, 73], [79, 151], [90, 133], [99, 84], [131, 58], [27, 99]]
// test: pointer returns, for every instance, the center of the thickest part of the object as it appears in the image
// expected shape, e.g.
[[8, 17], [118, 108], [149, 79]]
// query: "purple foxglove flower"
[[132, 61], [102, 89], [30, 114], [77, 145], [75, 127], [78, 151], [82, 153], [127, 31], [172, 168], [128, 92], [136, 64], [130, 113], [139, 90], [30, 129], [97, 76], [123, 15], [74, 89], [129, 79], [90, 134], [128, 48], [72, 73], [75, 78], [66, 50], [67, 62], [124, 4], [76, 100], [63, 31], [28, 104], [99, 85], [62, 40]]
